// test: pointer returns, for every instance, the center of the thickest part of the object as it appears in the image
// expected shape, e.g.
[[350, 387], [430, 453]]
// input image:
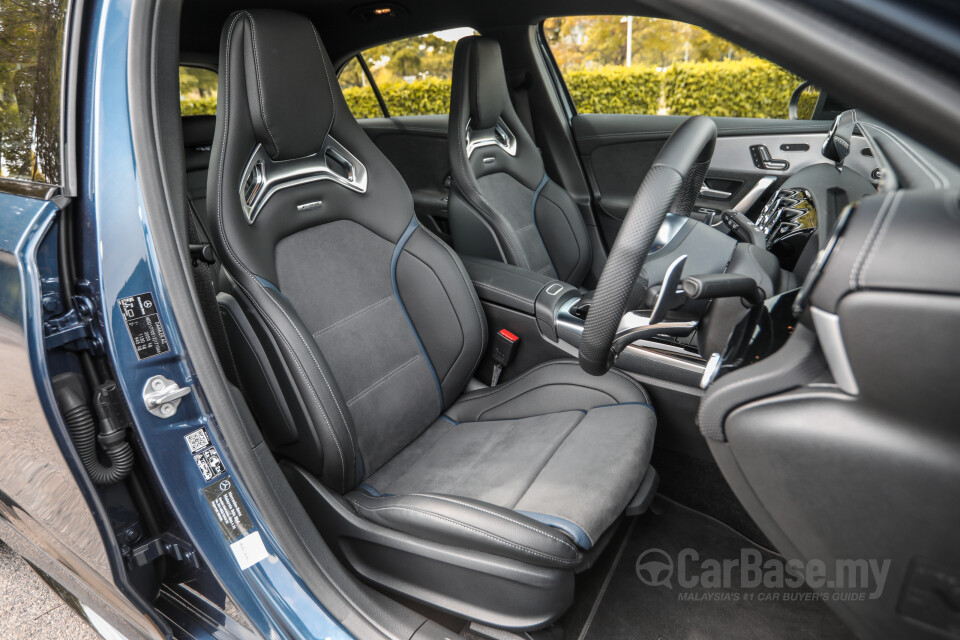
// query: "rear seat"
[[197, 140]]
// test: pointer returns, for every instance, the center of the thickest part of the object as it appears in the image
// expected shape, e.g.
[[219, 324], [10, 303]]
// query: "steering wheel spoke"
[[675, 176]]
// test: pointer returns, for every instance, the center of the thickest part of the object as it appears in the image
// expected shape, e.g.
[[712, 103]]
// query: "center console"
[[544, 313]]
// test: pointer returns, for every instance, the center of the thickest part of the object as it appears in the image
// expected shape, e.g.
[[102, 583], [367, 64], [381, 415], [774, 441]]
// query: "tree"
[[582, 42], [31, 37], [405, 62]]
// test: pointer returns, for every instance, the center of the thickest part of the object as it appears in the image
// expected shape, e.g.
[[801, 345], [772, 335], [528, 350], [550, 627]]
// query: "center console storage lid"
[[506, 285]]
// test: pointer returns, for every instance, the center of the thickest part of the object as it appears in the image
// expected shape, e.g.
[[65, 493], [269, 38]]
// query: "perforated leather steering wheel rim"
[[674, 178]]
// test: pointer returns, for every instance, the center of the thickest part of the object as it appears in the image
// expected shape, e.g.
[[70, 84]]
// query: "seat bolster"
[[471, 524], [552, 387]]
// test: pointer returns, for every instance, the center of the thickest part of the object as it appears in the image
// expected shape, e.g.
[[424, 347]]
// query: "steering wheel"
[[672, 184]]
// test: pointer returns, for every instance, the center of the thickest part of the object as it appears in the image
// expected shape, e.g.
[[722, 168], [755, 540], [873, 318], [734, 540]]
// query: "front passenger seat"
[[502, 205], [360, 331]]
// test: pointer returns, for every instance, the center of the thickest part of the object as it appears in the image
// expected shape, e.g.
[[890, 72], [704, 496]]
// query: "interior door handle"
[[707, 192]]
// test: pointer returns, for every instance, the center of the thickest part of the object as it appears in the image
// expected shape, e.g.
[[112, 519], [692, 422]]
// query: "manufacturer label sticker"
[[144, 325], [229, 510], [249, 550], [205, 455]]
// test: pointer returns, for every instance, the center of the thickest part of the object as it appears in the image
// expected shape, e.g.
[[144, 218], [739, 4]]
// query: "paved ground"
[[30, 609]]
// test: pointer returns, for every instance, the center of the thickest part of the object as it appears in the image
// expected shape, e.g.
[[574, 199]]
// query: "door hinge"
[[75, 329], [166, 544]]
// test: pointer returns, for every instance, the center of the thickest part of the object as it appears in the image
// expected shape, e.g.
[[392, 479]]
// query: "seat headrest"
[[289, 82], [487, 82]]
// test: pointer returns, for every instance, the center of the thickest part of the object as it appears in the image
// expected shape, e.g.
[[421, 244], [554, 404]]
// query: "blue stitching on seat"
[[271, 286], [623, 404], [573, 530], [370, 490], [449, 419], [396, 291], [533, 213]]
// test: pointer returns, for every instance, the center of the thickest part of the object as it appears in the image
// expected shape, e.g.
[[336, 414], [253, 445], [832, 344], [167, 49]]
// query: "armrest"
[[505, 284]]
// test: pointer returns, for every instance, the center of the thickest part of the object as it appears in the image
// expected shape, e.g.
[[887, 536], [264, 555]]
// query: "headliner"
[[344, 32]]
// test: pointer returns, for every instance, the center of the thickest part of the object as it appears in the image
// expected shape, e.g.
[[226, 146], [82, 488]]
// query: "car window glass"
[[412, 74], [625, 64], [357, 91], [31, 55], [198, 91]]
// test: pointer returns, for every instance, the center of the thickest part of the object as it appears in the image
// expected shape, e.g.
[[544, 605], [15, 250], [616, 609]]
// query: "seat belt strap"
[[203, 258]]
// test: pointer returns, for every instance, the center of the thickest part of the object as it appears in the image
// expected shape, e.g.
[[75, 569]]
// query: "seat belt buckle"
[[504, 346]]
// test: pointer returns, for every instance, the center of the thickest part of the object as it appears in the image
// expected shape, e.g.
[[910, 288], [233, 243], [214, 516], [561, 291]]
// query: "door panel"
[[417, 147], [617, 151]]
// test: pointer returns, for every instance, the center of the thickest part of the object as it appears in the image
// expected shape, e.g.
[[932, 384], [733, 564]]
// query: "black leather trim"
[[291, 112], [469, 523], [487, 82], [505, 284]]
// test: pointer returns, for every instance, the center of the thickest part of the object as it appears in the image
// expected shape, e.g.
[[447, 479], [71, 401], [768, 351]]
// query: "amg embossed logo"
[[308, 206]]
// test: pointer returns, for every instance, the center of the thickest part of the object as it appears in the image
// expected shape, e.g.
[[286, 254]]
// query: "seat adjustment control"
[[763, 160]]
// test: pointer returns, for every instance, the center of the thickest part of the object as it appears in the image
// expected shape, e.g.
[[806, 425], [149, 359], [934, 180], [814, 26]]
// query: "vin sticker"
[[143, 324], [230, 512]]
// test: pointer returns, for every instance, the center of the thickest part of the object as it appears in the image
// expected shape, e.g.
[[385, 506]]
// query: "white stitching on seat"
[[312, 356], [871, 235], [481, 532], [256, 59], [378, 383], [891, 212], [484, 285], [470, 292], [326, 74], [498, 515], [352, 316]]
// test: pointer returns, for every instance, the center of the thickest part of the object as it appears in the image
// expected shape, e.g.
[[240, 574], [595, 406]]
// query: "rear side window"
[[198, 91], [31, 54], [412, 75], [627, 64]]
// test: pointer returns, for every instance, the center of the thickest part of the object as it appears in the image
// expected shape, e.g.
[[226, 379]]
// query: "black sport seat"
[[503, 206], [356, 331]]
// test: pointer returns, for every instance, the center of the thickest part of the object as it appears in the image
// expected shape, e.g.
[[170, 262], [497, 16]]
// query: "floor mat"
[[699, 484], [630, 607]]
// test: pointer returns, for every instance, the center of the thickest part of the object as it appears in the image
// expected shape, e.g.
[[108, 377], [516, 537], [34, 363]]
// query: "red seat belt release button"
[[504, 346]]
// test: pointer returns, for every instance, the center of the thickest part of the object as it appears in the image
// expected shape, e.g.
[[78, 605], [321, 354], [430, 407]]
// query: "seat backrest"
[[504, 206], [369, 316]]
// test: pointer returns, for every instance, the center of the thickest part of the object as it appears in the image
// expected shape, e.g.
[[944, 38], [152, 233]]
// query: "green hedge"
[[199, 106], [749, 88], [615, 89], [429, 96]]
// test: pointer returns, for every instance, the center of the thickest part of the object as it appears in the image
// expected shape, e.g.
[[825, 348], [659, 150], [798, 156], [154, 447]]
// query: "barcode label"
[[197, 440]]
